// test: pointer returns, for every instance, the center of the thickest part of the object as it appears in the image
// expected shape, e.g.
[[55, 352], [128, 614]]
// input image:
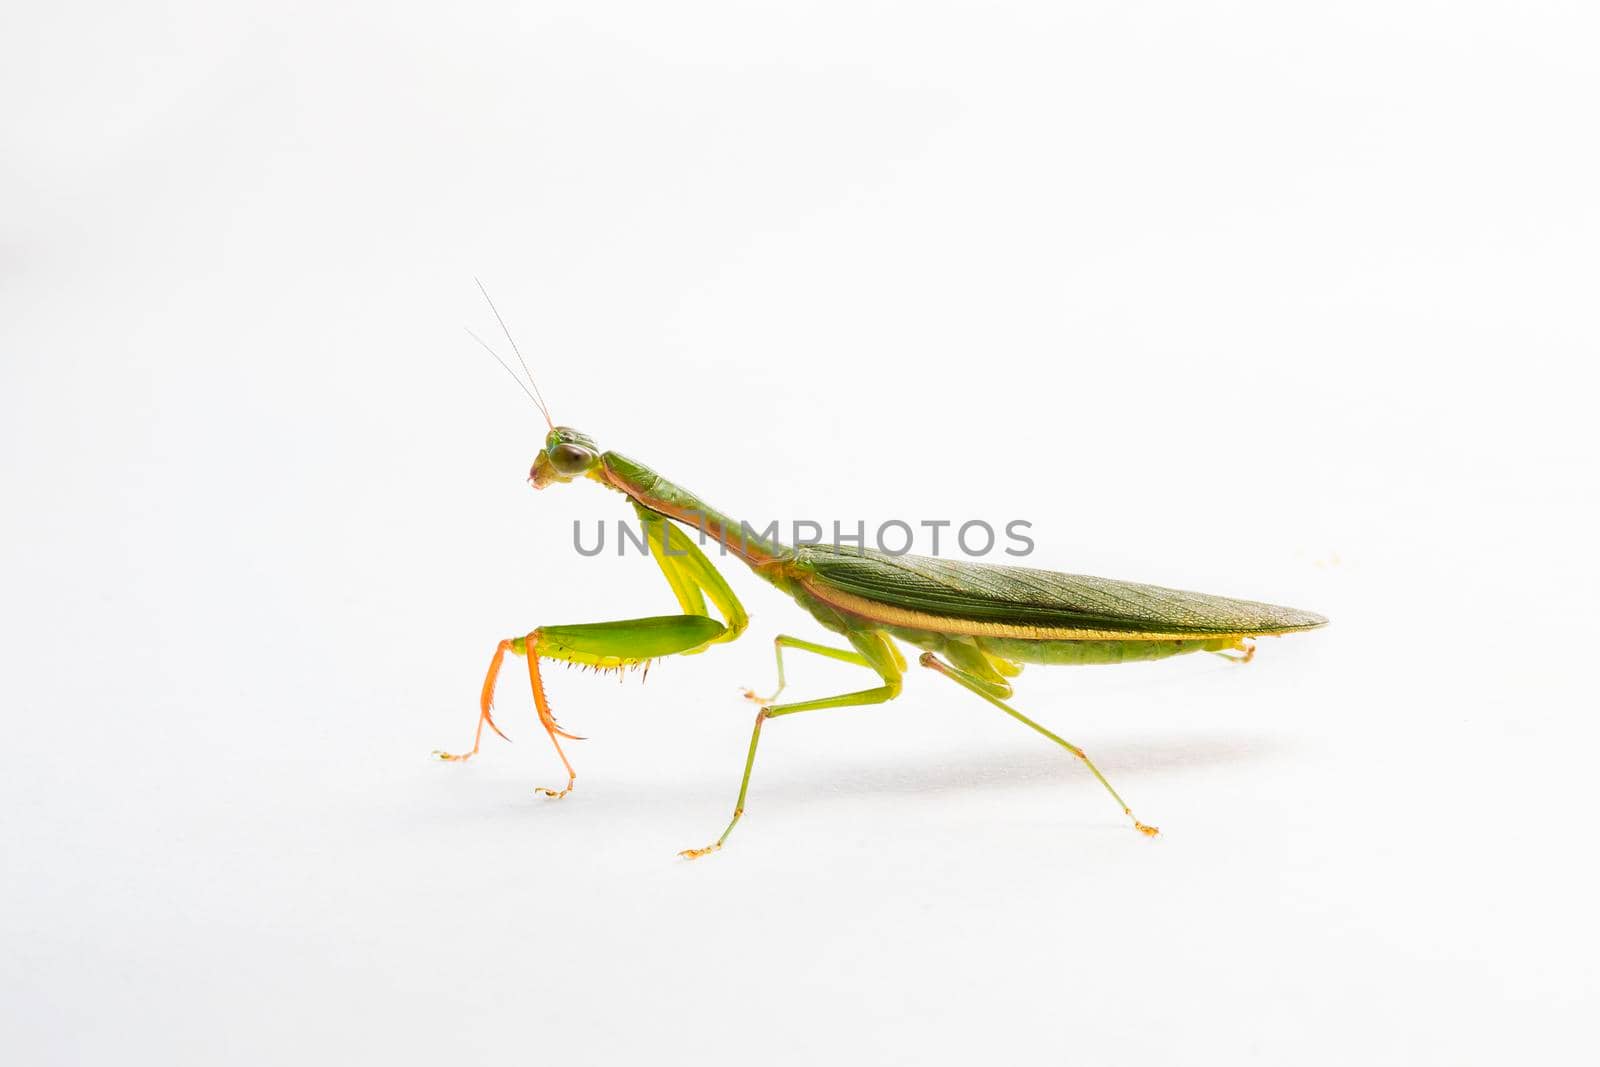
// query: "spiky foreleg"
[[604, 646], [485, 705]]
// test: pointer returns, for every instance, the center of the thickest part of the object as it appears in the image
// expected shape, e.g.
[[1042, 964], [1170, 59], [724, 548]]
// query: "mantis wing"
[[1025, 596]]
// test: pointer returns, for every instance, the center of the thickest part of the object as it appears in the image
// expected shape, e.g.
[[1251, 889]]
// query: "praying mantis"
[[976, 623]]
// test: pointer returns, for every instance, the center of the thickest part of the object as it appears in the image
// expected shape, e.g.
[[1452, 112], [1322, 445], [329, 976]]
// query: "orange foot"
[[449, 757], [754, 698], [696, 853], [1148, 831], [1247, 646], [555, 794]]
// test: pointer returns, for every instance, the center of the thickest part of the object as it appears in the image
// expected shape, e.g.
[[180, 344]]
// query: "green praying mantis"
[[976, 623]]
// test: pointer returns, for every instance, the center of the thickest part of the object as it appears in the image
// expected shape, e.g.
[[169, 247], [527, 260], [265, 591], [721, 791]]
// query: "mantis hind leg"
[[989, 691], [874, 650], [1245, 647]]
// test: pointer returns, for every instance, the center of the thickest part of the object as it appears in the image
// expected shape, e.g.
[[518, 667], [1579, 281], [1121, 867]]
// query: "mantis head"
[[567, 454]]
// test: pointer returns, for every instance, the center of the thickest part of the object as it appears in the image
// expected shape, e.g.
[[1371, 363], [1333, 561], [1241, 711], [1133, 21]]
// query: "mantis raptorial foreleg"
[[875, 651], [626, 643], [603, 646], [486, 707], [691, 575], [986, 691]]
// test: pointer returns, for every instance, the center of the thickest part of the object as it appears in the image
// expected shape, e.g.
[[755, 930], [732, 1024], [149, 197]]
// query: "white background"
[[1289, 302]]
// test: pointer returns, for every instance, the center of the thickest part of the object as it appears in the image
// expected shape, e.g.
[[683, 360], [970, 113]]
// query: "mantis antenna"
[[536, 395], [513, 374]]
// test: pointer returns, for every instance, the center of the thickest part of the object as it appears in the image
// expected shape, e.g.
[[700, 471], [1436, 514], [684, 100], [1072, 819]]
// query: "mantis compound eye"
[[569, 459]]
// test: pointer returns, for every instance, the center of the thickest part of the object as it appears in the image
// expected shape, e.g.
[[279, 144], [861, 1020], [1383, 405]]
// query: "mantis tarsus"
[[976, 623]]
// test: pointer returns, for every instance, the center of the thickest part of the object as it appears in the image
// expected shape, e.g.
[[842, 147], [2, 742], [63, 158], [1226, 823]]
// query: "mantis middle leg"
[[783, 641], [873, 650]]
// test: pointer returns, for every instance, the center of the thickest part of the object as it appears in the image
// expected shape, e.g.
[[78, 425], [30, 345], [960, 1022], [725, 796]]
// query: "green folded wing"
[[1025, 596]]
